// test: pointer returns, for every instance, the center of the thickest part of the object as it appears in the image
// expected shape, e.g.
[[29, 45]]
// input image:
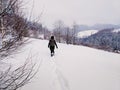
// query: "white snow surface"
[[86, 33], [72, 67], [116, 30]]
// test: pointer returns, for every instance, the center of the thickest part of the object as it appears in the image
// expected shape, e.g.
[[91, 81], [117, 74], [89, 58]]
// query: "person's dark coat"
[[52, 44]]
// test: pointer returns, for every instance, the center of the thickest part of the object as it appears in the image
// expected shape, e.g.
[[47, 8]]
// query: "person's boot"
[[52, 54]]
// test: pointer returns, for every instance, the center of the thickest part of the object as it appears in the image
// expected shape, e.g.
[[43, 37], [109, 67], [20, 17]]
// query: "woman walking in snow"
[[52, 44]]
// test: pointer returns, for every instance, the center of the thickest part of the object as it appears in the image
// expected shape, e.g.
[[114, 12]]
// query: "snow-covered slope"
[[116, 30], [86, 33], [72, 67]]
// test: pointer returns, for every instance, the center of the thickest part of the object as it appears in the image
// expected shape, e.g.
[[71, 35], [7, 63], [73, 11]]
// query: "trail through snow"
[[49, 76], [72, 67]]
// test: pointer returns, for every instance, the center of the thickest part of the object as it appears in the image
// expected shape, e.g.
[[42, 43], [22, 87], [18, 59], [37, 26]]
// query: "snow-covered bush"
[[13, 27]]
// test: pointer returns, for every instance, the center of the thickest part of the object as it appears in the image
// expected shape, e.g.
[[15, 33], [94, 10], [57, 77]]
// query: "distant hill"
[[107, 39], [98, 27], [86, 33]]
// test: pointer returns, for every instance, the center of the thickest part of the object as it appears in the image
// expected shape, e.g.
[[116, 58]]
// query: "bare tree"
[[12, 24], [58, 28], [46, 33], [13, 27], [68, 35], [74, 32]]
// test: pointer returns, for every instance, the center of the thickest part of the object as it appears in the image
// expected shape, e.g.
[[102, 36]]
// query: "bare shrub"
[[12, 79], [13, 27]]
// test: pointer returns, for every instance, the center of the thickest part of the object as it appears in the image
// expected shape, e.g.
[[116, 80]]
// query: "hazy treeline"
[[104, 39]]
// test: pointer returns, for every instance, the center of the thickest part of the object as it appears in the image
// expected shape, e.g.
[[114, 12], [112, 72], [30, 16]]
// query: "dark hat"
[[52, 37]]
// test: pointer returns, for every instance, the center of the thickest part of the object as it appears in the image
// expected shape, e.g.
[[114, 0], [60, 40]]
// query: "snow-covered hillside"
[[116, 30], [86, 33], [72, 67]]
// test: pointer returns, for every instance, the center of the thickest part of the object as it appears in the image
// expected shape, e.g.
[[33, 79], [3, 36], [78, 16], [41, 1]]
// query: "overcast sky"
[[80, 11]]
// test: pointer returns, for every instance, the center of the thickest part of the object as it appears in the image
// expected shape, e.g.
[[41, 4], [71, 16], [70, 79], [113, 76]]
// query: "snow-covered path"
[[72, 67], [49, 76]]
